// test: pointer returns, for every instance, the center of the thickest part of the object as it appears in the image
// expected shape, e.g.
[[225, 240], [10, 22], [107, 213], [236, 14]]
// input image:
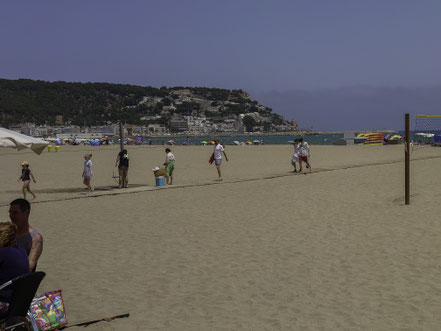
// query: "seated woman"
[[13, 262]]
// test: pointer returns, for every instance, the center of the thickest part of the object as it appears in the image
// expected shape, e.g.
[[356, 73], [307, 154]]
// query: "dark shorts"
[[123, 168], [303, 158]]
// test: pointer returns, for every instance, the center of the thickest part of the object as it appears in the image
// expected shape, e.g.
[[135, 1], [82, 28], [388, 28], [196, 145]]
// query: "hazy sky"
[[259, 46]]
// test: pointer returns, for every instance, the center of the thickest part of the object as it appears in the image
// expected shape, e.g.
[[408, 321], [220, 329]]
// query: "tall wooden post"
[[121, 136], [407, 162]]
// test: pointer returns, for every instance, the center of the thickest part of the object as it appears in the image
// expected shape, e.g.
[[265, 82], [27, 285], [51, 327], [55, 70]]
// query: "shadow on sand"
[[79, 189]]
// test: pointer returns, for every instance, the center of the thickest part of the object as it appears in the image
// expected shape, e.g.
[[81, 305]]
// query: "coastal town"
[[97, 110]]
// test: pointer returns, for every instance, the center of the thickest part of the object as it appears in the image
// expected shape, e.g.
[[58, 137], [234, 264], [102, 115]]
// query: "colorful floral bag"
[[48, 311]]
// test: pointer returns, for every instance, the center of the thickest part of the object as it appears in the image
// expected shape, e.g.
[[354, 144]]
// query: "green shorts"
[[170, 167]]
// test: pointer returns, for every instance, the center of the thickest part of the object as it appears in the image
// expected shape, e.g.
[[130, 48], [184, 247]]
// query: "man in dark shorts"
[[28, 238], [122, 161]]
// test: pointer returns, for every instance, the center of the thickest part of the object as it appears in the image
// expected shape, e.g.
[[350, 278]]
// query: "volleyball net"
[[427, 131]]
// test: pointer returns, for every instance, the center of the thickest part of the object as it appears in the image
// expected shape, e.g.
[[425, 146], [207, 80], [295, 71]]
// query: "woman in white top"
[[87, 172], [169, 165], [217, 157]]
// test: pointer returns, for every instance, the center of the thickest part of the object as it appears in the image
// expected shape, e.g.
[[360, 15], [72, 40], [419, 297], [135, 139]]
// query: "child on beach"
[[295, 157], [169, 165], [122, 161], [26, 175], [87, 172]]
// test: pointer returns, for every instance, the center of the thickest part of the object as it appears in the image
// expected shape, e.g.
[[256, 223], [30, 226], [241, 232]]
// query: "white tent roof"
[[20, 141]]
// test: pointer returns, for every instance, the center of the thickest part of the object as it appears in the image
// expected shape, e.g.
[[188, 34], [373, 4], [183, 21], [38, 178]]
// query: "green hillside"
[[89, 104]]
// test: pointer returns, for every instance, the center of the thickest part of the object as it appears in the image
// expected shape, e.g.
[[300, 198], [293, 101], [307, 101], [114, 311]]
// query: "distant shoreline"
[[266, 134]]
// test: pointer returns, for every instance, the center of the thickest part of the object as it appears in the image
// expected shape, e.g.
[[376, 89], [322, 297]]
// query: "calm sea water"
[[321, 139]]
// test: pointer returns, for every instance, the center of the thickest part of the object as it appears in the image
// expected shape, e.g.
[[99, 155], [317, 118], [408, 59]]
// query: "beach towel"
[[211, 160], [48, 311]]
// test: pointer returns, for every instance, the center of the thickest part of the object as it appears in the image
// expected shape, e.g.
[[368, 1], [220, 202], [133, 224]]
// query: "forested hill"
[[41, 102]]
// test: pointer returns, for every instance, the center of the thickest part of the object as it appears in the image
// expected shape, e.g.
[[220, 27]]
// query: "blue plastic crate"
[[160, 181]]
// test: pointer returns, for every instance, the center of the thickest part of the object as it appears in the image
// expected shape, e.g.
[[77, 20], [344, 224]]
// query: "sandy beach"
[[265, 249]]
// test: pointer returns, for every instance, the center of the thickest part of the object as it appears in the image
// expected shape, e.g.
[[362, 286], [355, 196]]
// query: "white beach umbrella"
[[20, 141]]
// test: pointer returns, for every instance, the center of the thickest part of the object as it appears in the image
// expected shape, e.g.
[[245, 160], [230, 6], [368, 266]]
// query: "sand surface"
[[263, 250]]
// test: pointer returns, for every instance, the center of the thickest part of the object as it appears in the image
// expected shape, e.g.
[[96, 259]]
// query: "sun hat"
[[25, 163]]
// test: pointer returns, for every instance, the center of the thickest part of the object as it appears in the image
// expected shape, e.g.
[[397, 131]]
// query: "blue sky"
[[258, 46]]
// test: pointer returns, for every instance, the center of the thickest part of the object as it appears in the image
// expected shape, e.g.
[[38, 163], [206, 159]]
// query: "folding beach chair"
[[115, 177], [24, 288]]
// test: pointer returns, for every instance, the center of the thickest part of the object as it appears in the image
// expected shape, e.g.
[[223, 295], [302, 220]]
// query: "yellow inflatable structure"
[[374, 138]]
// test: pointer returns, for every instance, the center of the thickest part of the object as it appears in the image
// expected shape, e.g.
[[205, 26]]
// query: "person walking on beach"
[[169, 166], [26, 175], [28, 238], [87, 172], [217, 157], [122, 161], [295, 157], [304, 154]]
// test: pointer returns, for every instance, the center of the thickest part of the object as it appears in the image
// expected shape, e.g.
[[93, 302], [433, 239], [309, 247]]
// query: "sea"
[[316, 139]]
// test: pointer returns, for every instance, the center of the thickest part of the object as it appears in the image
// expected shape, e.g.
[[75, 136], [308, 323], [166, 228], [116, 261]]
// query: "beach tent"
[[12, 139]]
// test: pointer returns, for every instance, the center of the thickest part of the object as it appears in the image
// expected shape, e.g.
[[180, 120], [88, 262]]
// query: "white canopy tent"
[[20, 141]]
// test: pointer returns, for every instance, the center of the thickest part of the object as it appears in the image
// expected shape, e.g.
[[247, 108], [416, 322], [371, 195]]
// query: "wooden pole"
[[121, 136], [407, 162]]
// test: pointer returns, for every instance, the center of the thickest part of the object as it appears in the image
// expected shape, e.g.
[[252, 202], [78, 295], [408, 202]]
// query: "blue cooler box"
[[160, 181]]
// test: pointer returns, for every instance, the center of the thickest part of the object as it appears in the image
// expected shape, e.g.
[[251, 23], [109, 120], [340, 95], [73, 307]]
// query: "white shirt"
[[169, 157], [304, 149], [87, 168], [296, 149], [218, 149]]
